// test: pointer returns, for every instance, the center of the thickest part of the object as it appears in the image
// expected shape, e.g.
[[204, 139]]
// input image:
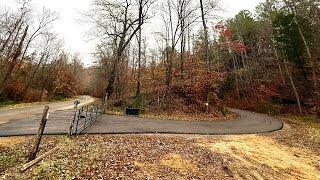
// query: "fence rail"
[[84, 116]]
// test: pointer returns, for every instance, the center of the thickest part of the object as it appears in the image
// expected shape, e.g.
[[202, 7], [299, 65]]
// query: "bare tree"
[[11, 40], [49, 44], [11, 25], [140, 2], [14, 60], [177, 17], [16, 43], [49, 68], [117, 21], [47, 17], [206, 47]]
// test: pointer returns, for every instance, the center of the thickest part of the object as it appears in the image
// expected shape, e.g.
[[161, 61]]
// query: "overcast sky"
[[74, 33]]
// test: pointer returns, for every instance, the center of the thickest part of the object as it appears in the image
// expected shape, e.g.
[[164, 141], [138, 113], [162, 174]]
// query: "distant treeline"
[[33, 63]]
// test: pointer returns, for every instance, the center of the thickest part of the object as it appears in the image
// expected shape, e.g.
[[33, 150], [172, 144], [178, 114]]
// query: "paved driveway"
[[59, 121], [9, 114], [247, 123]]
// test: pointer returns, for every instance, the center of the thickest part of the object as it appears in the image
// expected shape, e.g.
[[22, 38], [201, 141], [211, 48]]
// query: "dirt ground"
[[293, 153]]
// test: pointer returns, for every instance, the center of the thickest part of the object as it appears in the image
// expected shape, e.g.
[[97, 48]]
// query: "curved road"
[[9, 114], [247, 123], [58, 123]]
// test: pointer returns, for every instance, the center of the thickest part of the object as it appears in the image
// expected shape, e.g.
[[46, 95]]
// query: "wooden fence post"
[[43, 122]]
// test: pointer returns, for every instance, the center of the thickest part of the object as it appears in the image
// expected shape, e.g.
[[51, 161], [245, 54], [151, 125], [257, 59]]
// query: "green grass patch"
[[7, 103]]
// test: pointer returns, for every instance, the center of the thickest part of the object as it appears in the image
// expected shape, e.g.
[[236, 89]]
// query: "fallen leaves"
[[252, 151], [278, 155], [12, 141], [176, 161]]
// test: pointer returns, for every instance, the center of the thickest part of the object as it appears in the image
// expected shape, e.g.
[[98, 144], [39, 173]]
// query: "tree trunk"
[[236, 75], [293, 86], [278, 62], [182, 56], [182, 42], [32, 76], [305, 43], [109, 89], [205, 28], [6, 42], [192, 65], [13, 43], [10, 35], [206, 44], [139, 51]]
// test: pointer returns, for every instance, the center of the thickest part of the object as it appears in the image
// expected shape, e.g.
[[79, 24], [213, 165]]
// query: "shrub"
[[139, 102], [269, 108]]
